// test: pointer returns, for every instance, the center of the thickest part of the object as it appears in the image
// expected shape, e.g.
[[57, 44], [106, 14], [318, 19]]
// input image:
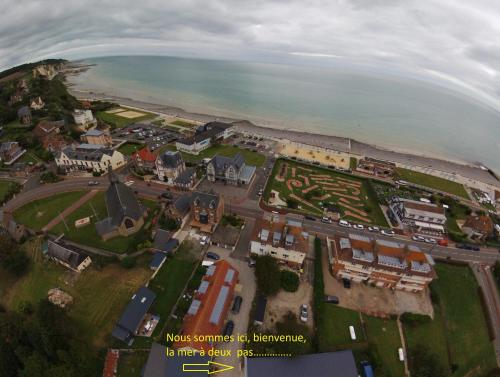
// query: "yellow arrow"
[[207, 367]]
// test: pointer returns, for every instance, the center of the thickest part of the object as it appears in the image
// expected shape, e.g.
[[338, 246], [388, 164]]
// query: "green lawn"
[[431, 181], [333, 330], [99, 295], [459, 328], [95, 208], [117, 121], [130, 364], [384, 340], [5, 188], [37, 214], [183, 123], [367, 203], [251, 158], [128, 148]]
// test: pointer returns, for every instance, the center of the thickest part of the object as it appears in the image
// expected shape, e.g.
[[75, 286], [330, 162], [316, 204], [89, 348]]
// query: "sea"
[[391, 111]]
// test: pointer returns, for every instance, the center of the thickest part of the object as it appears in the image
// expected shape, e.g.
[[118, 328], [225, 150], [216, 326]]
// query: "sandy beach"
[[458, 171]]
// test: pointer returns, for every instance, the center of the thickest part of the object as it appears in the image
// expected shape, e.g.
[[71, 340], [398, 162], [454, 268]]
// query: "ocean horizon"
[[393, 112]]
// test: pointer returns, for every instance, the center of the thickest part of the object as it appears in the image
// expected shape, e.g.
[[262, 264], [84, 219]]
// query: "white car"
[[304, 314], [358, 226], [389, 233], [344, 223], [418, 238], [374, 229], [326, 220], [430, 240], [203, 240], [129, 183]]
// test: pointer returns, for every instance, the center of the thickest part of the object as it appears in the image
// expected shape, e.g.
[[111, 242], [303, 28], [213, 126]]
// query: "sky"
[[457, 42]]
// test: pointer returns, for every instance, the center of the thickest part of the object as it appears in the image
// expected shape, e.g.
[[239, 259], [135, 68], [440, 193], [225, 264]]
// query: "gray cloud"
[[455, 41]]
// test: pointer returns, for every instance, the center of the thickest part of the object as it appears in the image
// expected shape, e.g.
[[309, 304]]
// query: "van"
[[344, 223], [401, 354], [367, 369]]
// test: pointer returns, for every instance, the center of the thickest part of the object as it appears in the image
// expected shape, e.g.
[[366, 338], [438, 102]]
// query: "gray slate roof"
[[330, 364], [24, 111], [185, 177], [222, 163], [205, 200], [133, 314], [182, 204], [171, 159], [86, 153], [65, 254], [164, 241], [158, 365]]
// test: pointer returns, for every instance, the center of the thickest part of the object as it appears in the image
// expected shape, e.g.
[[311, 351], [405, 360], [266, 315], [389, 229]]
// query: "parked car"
[[344, 223], [237, 304], [326, 220], [93, 183], [467, 246], [311, 218], [203, 240], [251, 263], [374, 229], [331, 299], [389, 233], [418, 238], [228, 329], [304, 314], [358, 226], [212, 255], [166, 195], [346, 283], [430, 240], [443, 242]]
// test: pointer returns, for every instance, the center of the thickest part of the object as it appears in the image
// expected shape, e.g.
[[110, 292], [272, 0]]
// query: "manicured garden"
[[95, 208], [118, 121], [38, 213], [251, 158], [431, 181], [309, 189], [128, 148]]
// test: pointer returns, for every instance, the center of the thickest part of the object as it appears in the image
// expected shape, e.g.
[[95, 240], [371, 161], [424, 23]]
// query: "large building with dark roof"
[[133, 315], [206, 211], [160, 365], [231, 170], [66, 255], [89, 157], [125, 213], [204, 137], [329, 364]]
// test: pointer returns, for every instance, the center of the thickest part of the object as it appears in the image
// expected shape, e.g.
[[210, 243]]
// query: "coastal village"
[[246, 253]]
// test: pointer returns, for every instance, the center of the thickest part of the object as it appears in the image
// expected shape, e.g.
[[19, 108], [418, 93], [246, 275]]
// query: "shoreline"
[[458, 169]]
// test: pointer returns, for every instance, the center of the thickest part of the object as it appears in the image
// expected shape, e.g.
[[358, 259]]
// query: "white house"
[[89, 157], [204, 137], [84, 119]]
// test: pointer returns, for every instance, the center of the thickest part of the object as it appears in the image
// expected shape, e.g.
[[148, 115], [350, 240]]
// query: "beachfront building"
[[97, 137], [84, 119], [285, 241], [210, 306], [125, 214], [171, 168], [375, 167], [383, 263], [10, 151], [204, 137], [206, 211], [230, 170], [420, 216], [90, 158]]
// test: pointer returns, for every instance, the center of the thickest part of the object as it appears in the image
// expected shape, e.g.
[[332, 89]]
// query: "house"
[[15, 98], [133, 315], [68, 256], [204, 137], [385, 264], [90, 158], [164, 242], [24, 115], [377, 168], [478, 228], [329, 364], [285, 241], [206, 211], [84, 119], [22, 86], [111, 363], [210, 306], [97, 137], [37, 103], [260, 310], [180, 207], [10, 151], [170, 168], [51, 135], [125, 213], [231, 170], [144, 160], [157, 261], [418, 215], [158, 365]]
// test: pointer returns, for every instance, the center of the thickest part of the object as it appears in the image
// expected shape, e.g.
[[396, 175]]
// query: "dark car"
[[237, 305], [311, 218], [166, 195], [212, 255], [346, 282], [331, 299], [228, 330]]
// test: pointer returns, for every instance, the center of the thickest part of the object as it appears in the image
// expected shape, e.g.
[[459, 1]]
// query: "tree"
[[425, 364], [12, 258], [128, 262], [291, 203], [289, 281], [267, 273]]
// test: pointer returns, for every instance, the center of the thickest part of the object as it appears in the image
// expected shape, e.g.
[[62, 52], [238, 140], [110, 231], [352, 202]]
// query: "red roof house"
[[144, 159]]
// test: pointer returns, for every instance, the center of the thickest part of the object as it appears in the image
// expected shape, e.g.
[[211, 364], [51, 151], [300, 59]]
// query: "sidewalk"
[[69, 210]]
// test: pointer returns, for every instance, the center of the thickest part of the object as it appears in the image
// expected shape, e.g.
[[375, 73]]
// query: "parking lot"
[[153, 136]]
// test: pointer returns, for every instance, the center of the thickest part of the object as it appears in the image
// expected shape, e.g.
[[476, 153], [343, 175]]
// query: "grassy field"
[[251, 158], [5, 187], [183, 123], [130, 363], [37, 214], [95, 208], [128, 148], [333, 331], [118, 121], [99, 295], [431, 181], [340, 189], [458, 334]]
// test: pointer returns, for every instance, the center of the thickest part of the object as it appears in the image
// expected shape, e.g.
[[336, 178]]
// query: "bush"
[[267, 273], [49, 177], [496, 273], [412, 319], [289, 281], [128, 262], [292, 203], [319, 288], [169, 223]]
